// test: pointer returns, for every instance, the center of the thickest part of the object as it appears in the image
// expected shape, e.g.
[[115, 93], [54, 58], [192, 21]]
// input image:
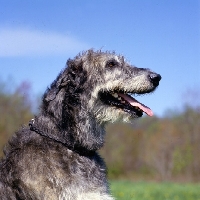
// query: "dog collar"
[[77, 149]]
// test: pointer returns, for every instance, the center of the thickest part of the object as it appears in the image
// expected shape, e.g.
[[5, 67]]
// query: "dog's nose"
[[155, 78]]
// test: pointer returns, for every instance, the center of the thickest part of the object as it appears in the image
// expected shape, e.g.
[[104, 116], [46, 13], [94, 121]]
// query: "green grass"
[[124, 190]]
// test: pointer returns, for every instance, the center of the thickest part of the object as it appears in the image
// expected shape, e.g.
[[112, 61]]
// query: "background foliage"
[[160, 148]]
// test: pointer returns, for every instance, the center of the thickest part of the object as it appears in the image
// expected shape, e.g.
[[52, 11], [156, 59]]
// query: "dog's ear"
[[62, 98], [73, 74]]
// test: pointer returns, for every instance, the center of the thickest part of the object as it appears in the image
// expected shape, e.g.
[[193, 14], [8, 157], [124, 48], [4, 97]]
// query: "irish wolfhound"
[[55, 156]]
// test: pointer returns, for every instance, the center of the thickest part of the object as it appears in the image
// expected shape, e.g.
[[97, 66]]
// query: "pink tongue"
[[134, 102]]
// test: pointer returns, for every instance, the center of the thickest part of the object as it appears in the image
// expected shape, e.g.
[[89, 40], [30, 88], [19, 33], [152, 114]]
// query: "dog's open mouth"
[[125, 102]]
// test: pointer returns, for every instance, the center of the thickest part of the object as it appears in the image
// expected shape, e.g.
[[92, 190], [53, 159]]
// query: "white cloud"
[[27, 42]]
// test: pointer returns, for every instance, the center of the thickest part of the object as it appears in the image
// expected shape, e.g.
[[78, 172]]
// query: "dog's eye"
[[111, 64]]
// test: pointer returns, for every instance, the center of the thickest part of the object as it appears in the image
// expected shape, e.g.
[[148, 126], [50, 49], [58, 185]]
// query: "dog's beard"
[[106, 113]]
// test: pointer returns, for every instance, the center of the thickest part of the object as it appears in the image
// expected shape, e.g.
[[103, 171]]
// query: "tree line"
[[158, 148]]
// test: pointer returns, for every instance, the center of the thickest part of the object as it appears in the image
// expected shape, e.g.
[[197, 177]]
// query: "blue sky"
[[37, 38]]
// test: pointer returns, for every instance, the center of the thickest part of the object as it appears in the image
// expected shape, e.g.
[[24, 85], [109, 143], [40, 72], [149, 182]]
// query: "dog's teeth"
[[123, 102], [115, 95]]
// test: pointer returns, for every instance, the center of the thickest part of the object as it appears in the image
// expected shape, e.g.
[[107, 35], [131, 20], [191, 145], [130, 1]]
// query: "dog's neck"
[[37, 126], [84, 139]]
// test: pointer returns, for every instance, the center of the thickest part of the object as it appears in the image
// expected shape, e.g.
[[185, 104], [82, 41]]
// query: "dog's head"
[[93, 89], [101, 84]]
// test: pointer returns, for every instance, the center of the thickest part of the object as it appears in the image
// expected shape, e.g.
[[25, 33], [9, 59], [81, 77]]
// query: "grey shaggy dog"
[[55, 156]]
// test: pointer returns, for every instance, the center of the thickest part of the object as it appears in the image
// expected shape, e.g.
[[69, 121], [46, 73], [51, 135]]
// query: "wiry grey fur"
[[56, 158]]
